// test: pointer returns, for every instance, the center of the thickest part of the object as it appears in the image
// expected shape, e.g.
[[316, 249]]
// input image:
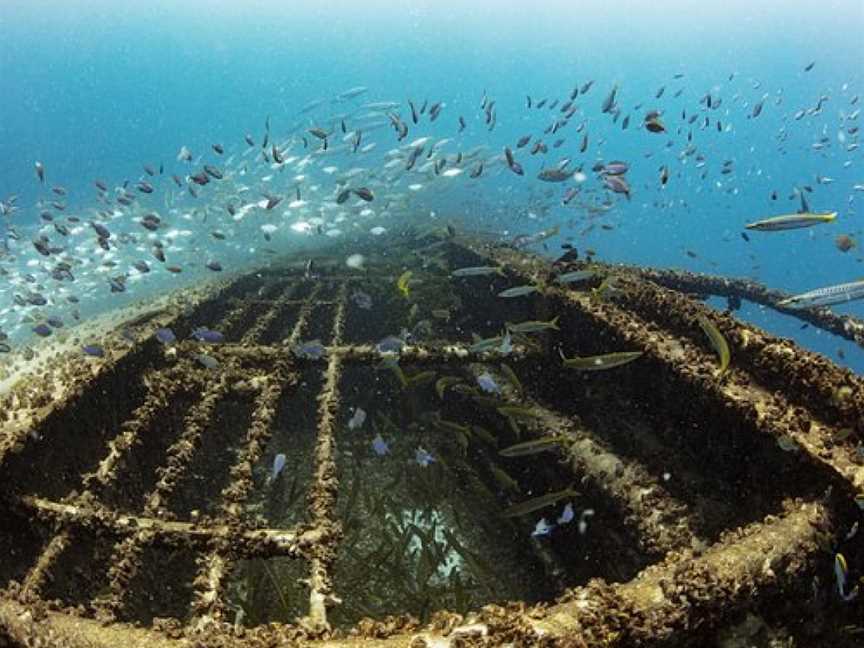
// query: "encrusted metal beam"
[[325, 486], [126, 559], [845, 326], [170, 533]]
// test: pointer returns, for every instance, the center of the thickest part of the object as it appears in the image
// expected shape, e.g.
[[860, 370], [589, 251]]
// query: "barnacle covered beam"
[[427, 353], [126, 558], [171, 533], [215, 567], [685, 595], [845, 326], [325, 487], [668, 333]]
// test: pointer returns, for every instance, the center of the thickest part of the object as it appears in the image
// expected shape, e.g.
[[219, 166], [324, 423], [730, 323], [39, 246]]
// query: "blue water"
[[97, 89]]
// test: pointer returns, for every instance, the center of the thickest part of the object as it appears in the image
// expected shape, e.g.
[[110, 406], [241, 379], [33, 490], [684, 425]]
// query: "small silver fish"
[[518, 291]]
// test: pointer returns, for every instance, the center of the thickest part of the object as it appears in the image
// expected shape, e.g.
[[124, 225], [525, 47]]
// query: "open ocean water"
[[755, 106]]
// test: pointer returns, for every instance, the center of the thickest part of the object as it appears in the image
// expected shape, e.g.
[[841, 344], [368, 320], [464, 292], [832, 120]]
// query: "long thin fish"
[[791, 221], [518, 291], [826, 296], [717, 341], [537, 503], [601, 362], [533, 447]]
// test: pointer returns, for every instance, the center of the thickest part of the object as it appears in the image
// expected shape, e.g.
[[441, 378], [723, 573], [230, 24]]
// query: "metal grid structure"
[[744, 526]]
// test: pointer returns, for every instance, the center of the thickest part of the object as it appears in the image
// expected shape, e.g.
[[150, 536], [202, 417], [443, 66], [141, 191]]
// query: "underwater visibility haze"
[[99, 92]]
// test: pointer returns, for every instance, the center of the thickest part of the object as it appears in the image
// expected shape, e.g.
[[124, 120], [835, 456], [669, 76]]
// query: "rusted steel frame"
[[776, 363], [160, 390], [126, 558], [248, 542], [661, 522], [303, 317], [368, 353], [686, 594], [325, 484], [769, 412], [245, 302], [264, 320], [845, 326], [207, 604]]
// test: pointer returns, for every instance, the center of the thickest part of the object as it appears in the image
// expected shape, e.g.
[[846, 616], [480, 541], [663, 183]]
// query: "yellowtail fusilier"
[[827, 296], [718, 342], [601, 362], [791, 221], [537, 503], [518, 291], [478, 271]]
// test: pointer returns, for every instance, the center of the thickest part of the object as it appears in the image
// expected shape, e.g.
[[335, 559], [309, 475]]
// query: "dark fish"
[[412, 157], [541, 103], [42, 330], [158, 253], [320, 133], [461, 123], [210, 336], [100, 185], [150, 222], [342, 196], [653, 123], [215, 266], [141, 266], [218, 148], [213, 172], [477, 171], [101, 230], [523, 141], [217, 235], [40, 172], [586, 87], [664, 175], [165, 335], [529, 101], [177, 180], [200, 178], [414, 116], [364, 194], [249, 140], [93, 350], [609, 102], [757, 109], [617, 184], [174, 269], [584, 145], [616, 167], [118, 284], [660, 92], [149, 170], [553, 175], [809, 66], [745, 236], [145, 187]]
